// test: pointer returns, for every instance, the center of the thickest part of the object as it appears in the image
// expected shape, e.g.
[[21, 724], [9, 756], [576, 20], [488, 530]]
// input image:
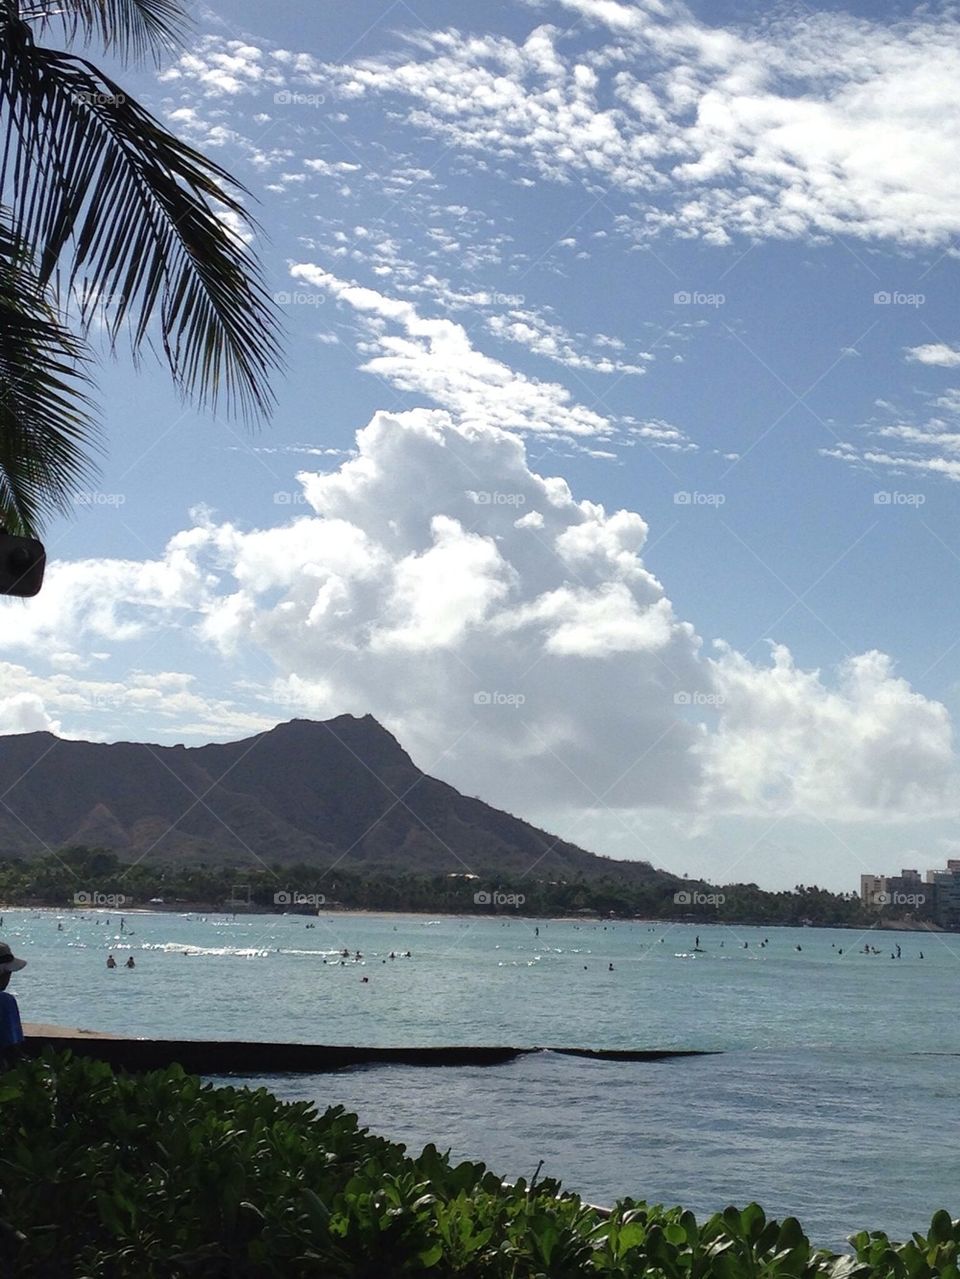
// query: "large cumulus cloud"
[[480, 610]]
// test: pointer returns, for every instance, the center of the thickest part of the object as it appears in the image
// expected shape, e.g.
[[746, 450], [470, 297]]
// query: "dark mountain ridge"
[[339, 791]]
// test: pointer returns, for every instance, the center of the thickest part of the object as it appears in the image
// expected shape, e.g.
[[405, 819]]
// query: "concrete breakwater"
[[250, 1057]]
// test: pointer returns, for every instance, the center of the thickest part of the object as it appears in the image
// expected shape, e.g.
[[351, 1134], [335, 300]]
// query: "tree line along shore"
[[92, 878]]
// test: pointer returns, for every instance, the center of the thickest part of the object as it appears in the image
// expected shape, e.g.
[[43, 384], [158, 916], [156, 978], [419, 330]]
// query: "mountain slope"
[[342, 790]]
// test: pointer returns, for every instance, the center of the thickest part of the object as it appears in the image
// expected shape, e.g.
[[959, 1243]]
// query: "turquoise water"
[[831, 1099]]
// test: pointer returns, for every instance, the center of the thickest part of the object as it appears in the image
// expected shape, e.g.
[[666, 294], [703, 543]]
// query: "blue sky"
[[647, 314]]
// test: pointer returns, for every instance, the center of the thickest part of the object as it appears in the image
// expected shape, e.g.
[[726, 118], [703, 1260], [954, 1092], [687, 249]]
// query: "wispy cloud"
[[832, 125]]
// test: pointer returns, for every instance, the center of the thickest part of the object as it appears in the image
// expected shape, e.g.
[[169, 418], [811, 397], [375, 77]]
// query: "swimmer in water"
[[111, 962], [130, 963]]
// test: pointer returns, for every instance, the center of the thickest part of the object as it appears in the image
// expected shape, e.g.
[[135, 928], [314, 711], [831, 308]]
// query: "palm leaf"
[[92, 177], [45, 422], [135, 28]]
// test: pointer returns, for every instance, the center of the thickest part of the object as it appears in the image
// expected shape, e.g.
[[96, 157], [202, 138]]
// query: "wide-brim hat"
[[8, 960]]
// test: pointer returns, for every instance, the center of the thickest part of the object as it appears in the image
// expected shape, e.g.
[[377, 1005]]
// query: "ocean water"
[[834, 1097]]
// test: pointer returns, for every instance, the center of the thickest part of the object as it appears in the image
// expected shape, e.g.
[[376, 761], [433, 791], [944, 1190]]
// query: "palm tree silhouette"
[[106, 217]]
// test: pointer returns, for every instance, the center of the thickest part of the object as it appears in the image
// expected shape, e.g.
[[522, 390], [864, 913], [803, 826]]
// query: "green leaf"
[[46, 425]]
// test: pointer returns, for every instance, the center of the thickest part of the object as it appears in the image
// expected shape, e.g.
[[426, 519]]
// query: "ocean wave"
[[183, 948], [329, 954]]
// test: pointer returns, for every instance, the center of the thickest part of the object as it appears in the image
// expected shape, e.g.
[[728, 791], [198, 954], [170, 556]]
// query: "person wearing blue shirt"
[[11, 1031]]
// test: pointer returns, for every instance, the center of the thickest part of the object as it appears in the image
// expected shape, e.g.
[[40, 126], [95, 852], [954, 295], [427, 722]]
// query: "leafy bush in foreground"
[[162, 1176]]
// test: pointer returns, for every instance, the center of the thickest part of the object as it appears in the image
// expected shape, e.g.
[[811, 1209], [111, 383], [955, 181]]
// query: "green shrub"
[[162, 1176]]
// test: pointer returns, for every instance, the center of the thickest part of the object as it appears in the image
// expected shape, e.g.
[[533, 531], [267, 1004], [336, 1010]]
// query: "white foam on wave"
[[184, 948], [327, 953]]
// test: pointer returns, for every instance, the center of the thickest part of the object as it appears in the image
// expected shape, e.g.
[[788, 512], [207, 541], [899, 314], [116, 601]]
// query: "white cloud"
[[908, 445], [226, 68], [144, 705], [109, 600], [936, 353], [659, 434], [552, 342], [26, 713], [870, 747], [430, 581], [832, 125], [435, 357]]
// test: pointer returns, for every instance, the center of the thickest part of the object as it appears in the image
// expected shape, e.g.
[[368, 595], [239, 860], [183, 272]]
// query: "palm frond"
[[128, 28], [92, 177], [46, 427]]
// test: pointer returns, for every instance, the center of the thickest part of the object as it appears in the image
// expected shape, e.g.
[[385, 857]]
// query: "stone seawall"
[[250, 1057]]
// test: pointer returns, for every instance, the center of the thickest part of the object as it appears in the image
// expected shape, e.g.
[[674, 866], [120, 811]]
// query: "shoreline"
[[188, 908]]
